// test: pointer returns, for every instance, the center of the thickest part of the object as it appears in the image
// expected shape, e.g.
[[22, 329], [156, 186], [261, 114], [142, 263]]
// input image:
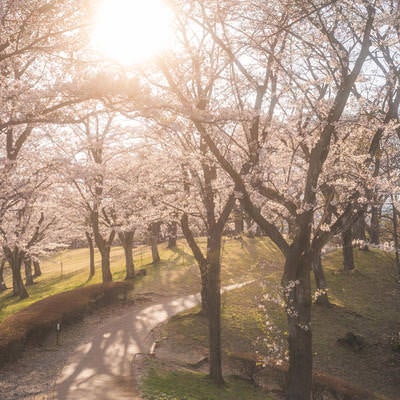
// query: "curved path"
[[101, 368]]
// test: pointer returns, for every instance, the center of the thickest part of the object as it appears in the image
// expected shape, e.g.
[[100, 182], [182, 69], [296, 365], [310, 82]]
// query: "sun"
[[132, 31]]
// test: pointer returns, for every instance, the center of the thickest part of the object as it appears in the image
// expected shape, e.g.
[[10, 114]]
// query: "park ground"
[[365, 302]]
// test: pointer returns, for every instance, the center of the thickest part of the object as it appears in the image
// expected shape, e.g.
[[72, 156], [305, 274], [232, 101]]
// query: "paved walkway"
[[101, 369], [94, 358]]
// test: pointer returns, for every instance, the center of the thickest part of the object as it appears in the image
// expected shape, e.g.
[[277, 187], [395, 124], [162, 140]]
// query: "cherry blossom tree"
[[293, 70], [37, 41], [137, 207], [25, 227], [264, 104], [107, 175], [87, 174], [187, 81]]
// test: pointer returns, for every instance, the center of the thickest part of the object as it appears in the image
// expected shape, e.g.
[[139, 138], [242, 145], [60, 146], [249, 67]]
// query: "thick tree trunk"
[[2, 266], [347, 245], [20, 287], [212, 265], [321, 295], [126, 239], [15, 259], [36, 268], [204, 289], [214, 307], [238, 219], [154, 235], [374, 229], [105, 264], [201, 262], [28, 272], [15, 284], [395, 237], [104, 246], [297, 290], [172, 234], [92, 269], [359, 228]]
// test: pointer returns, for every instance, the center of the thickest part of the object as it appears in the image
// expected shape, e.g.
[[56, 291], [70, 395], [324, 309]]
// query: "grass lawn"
[[69, 269], [365, 302], [177, 273], [179, 385]]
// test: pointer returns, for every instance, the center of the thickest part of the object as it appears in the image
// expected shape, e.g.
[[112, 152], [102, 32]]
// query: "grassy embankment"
[[69, 270], [364, 302], [176, 274]]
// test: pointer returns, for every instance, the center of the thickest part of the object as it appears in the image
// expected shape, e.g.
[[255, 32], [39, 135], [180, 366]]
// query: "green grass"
[[181, 385], [69, 270], [365, 302], [177, 273]]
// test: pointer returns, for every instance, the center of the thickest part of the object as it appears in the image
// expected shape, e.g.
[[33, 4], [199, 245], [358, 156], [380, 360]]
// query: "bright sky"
[[132, 31]]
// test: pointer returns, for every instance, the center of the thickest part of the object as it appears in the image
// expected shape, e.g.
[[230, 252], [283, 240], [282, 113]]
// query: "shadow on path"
[[101, 368]]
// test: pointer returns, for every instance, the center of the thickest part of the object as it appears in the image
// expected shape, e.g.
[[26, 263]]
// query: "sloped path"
[[101, 367], [94, 358]]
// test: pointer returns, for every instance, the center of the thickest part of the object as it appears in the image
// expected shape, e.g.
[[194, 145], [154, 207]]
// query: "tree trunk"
[[201, 262], [92, 269], [204, 290], [374, 230], [359, 229], [104, 246], [321, 295], [15, 284], [20, 287], [2, 266], [238, 219], [297, 289], [15, 259], [395, 236], [36, 268], [154, 235], [214, 307], [126, 238], [172, 234], [28, 272], [347, 245], [105, 264]]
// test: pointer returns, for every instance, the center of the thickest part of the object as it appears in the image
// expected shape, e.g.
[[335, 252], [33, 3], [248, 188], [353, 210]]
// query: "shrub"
[[34, 323]]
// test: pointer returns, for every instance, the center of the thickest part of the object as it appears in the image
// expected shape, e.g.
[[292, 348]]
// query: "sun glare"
[[131, 31]]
